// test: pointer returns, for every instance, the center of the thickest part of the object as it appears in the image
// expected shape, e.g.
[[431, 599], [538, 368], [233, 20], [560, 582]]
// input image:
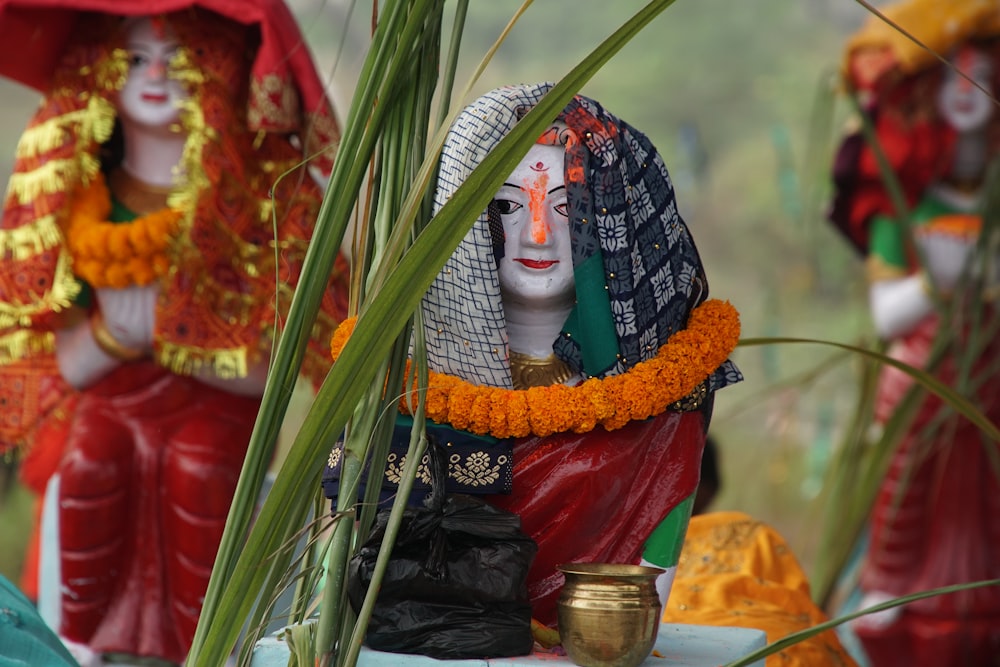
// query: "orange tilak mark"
[[964, 61], [536, 204]]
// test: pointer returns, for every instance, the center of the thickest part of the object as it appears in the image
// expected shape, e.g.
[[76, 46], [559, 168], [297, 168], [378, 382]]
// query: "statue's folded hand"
[[129, 314], [946, 258]]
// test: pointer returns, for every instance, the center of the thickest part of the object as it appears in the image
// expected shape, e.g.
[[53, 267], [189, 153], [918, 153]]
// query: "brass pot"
[[609, 613]]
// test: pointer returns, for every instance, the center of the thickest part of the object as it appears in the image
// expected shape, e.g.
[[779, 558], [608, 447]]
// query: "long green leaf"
[[288, 356], [358, 141], [954, 399], [368, 435], [414, 203]]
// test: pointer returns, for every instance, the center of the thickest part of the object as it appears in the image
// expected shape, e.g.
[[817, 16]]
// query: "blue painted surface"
[[679, 646]]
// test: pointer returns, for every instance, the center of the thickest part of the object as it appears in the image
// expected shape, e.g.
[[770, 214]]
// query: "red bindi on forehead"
[[966, 58], [159, 25]]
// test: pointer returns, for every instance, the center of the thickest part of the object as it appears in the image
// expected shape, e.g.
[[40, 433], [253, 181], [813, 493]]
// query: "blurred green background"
[[738, 96]]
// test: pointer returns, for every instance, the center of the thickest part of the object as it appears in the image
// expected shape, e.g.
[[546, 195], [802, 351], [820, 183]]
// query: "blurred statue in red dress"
[[936, 519], [146, 264]]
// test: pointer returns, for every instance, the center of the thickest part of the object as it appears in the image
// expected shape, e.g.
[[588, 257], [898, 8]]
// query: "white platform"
[[679, 646]]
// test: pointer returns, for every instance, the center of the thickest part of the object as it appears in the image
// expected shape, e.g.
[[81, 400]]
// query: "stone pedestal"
[[676, 646]]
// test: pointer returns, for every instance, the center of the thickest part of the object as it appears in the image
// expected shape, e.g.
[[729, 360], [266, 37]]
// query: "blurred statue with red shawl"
[[152, 234], [931, 262]]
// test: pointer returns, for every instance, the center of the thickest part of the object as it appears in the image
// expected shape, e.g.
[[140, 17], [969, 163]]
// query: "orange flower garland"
[[108, 254], [644, 391]]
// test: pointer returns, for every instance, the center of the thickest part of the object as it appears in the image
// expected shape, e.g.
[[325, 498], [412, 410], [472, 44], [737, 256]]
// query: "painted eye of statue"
[[506, 206], [137, 59], [562, 210]]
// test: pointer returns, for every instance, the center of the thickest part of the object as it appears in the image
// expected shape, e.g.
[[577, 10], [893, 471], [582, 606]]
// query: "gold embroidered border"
[[48, 135], [112, 72], [193, 119], [227, 364], [99, 121], [28, 240], [53, 176], [94, 124], [478, 469], [264, 113], [65, 288], [187, 196], [25, 342]]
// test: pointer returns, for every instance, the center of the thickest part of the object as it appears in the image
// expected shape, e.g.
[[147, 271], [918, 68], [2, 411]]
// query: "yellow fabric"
[[736, 571], [938, 24]]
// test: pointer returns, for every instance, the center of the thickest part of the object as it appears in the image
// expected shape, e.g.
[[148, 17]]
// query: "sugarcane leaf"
[[951, 397]]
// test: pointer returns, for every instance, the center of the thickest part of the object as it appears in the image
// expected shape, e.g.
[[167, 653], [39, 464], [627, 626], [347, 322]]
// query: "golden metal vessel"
[[609, 613]]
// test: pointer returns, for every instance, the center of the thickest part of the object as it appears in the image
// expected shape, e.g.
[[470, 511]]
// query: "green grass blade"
[[954, 399], [451, 60], [358, 142]]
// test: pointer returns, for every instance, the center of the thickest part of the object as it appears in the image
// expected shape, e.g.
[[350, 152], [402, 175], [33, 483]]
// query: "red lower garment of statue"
[[595, 497], [936, 522], [150, 469]]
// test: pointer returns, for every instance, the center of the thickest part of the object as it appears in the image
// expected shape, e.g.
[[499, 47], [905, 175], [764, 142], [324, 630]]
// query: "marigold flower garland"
[[645, 390], [108, 254]]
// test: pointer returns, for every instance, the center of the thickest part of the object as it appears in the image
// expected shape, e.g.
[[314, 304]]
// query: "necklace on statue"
[[527, 371], [136, 195]]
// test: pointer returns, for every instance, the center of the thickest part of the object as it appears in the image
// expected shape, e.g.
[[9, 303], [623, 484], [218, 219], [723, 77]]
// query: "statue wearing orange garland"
[[138, 288], [573, 351]]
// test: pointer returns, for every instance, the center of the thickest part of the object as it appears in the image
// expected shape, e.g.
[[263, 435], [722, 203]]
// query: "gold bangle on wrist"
[[925, 283], [109, 344]]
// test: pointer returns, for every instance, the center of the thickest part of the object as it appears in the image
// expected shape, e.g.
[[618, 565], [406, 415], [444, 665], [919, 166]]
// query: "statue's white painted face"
[[150, 98], [963, 105], [537, 266]]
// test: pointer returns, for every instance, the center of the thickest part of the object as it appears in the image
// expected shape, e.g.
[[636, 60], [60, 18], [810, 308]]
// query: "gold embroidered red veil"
[[257, 111]]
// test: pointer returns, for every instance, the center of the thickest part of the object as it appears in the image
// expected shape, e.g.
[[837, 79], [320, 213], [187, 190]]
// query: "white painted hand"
[[879, 619], [130, 314], [898, 305], [945, 258]]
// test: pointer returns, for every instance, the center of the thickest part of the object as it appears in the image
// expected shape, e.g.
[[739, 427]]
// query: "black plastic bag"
[[455, 584]]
